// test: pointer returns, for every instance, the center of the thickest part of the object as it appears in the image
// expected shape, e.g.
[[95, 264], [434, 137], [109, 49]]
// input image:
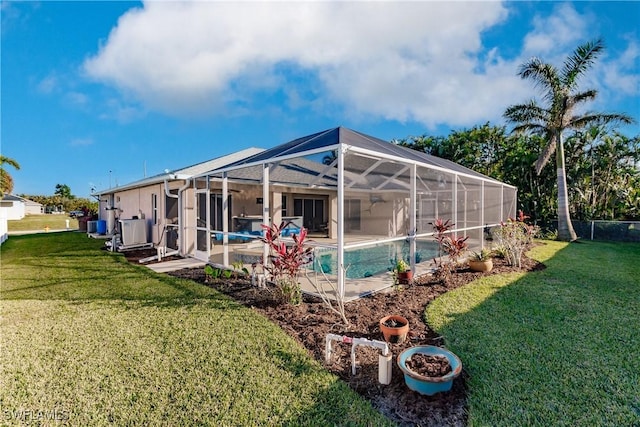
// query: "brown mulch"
[[310, 322]]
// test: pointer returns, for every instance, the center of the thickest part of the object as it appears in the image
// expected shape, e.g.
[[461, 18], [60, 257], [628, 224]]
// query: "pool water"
[[372, 260]]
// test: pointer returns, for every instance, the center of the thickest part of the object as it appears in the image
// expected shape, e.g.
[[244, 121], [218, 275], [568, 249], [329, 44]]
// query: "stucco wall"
[[387, 217], [138, 203], [12, 209]]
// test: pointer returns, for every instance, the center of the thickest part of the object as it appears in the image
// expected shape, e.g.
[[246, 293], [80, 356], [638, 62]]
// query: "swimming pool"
[[372, 260]]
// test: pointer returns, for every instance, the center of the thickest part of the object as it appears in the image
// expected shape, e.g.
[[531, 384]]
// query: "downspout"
[[187, 182]]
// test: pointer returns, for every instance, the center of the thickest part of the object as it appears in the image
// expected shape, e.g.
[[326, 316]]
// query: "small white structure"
[[4, 229], [13, 207]]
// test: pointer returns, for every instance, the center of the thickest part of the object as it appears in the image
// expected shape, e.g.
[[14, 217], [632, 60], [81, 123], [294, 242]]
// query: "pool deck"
[[354, 288]]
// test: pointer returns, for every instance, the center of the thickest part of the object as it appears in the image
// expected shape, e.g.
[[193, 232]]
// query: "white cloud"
[[77, 98], [552, 35], [409, 61], [402, 61], [621, 74], [48, 85]]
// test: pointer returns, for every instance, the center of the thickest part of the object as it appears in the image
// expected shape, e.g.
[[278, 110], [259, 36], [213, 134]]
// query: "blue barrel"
[[101, 227]]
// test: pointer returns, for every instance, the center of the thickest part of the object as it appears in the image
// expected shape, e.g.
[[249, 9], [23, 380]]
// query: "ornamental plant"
[[286, 261], [483, 255], [453, 247], [514, 237], [402, 266]]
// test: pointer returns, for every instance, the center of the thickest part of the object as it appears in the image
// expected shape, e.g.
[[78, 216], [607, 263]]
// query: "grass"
[[556, 347], [39, 222], [89, 339]]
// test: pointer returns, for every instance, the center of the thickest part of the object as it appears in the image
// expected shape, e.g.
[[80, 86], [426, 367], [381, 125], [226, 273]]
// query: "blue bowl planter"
[[429, 385]]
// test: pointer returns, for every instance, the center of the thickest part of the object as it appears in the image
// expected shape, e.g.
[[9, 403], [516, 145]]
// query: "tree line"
[[603, 173], [63, 200]]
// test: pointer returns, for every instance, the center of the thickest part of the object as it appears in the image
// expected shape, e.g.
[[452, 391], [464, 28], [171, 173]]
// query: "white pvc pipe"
[[384, 360], [178, 196]]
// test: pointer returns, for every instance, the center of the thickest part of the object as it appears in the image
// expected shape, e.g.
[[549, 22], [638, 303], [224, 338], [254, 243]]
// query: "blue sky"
[[96, 94]]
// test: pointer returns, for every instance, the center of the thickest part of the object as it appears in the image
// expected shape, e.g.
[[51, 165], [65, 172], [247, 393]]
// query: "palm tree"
[[6, 182], [562, 97]]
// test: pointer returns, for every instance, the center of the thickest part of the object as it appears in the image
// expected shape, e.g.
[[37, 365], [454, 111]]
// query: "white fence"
[[4, 233]]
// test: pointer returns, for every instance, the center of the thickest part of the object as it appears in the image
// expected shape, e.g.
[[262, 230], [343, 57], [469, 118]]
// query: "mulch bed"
[[311, 321]]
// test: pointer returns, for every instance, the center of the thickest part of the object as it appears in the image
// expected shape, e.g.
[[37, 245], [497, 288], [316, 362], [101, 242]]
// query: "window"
[[154, 208], [311, 211], [171, 211], [352, 215], [284, 205]]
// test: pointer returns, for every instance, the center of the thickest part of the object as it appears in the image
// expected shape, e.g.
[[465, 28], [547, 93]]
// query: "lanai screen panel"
[[469, 209], [469, 202], [510, 196], [434, 197], [492, 203], [377, 196]]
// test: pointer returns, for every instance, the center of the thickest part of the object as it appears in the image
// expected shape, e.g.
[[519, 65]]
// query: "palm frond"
[[532, 128], [526, 113], [579, 98], [544, 76], [9, 161], [580, 61], [599, 119]]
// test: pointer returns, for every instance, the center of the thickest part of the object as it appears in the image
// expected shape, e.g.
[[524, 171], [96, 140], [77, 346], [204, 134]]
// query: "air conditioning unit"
[[133, 232]]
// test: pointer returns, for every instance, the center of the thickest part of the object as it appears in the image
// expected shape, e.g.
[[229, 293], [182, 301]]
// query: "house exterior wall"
[[137, 202], [33, 208], [13, 209], [4, 226], [388, 218]]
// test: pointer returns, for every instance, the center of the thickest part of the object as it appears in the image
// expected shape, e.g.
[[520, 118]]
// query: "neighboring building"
[[17, 207], [367, 203]]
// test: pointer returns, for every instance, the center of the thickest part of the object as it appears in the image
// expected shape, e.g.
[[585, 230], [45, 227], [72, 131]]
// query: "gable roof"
[[14, 198]]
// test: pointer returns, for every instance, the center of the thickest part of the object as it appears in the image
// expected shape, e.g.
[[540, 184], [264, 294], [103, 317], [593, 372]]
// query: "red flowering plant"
[[286, 260], [454, 247]]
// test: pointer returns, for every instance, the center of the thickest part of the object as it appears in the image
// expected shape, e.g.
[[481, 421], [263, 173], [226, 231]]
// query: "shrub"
[[513, 237], [285, 262], [454, 247]]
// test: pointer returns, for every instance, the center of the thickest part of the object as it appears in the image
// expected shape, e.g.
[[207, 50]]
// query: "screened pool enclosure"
[[366, 203]]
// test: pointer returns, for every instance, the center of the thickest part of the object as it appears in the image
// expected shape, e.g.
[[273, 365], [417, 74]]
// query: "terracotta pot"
[[405, 277], [394, 335], [482, 266]]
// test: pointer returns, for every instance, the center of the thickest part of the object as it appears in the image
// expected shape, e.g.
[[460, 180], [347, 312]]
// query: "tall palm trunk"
[[565, 227]]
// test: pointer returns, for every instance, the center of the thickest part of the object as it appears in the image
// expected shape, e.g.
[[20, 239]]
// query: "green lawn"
[[555, 347], [39, 222], [90, 339]]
